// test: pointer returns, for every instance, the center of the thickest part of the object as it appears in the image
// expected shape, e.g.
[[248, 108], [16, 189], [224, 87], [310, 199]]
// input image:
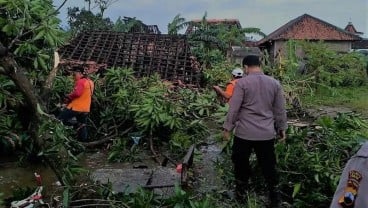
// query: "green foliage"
[[112, 97], [235, 36], [124, 103], [324, 67], [12, 136], [142, 198], [210, 42], [60, 137], [81, 20], [177, 24], [312, 159], [121, 152], [30, 30], [154, 110], [182, 199], [66, 197], [334, 69], [128, 25], [203, 106], [218, 74], [205, 203], [321, 69], [61, 86], [355, 98], [253, 201], [1, 199], [224, 169], [180, 141], [176, 109], [179, 199]]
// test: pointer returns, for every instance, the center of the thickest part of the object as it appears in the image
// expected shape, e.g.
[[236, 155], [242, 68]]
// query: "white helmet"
[[237, 72]]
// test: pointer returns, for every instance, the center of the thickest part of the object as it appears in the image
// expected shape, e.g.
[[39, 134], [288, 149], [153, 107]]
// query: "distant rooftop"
[[350, 28], [307, 27]]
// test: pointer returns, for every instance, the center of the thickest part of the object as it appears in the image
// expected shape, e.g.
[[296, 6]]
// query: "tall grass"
[[354, 98]]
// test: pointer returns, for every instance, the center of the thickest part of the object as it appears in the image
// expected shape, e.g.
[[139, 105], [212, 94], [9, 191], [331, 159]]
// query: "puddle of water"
[[210, 180], [13, 177]]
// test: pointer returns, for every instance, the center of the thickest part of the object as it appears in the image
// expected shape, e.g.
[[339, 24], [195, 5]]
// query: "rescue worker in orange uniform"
[[226, 95], [78, 102]]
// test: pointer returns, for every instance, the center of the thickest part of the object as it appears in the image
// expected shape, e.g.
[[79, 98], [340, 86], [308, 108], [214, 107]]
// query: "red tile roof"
[[307, 27]]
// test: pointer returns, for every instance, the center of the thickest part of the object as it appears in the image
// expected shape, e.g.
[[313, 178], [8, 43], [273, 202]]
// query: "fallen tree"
[[29, 35]]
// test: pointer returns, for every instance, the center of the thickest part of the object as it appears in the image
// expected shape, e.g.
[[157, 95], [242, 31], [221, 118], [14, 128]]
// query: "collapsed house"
[[145, 53]]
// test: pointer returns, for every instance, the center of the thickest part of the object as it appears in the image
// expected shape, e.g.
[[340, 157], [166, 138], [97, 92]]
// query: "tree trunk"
[[11, 69], [49, 82]]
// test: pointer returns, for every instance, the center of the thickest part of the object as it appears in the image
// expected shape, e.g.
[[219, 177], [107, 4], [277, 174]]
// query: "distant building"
[[307, 27], [238, 53], [350, 28], [357, 45]]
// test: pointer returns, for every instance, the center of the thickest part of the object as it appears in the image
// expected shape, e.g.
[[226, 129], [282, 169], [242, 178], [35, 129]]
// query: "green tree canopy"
[[83, 20]]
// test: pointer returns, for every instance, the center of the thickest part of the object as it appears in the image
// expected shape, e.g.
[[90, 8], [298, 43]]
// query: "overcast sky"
[[268, 15]]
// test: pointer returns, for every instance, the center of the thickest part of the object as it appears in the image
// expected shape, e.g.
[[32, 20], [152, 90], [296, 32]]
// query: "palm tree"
[[204, 39], [177, 24], [236, 36]]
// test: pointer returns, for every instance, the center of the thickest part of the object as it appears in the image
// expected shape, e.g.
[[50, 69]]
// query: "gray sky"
[[268, 15]]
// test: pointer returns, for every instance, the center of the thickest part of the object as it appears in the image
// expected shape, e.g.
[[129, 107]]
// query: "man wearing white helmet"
[[237, 74]]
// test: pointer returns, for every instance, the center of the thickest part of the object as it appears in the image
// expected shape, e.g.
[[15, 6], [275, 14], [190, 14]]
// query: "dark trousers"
[[266, 158], [66, 115]]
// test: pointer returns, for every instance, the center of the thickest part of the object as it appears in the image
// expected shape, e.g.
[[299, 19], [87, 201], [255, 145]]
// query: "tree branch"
[[104, 140]]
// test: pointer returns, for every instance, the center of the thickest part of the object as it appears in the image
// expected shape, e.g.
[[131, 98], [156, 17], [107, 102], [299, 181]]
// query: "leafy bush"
[[319, 68], [157, 109], [218, 74], [333, 69], [312, 159], [122, 151]]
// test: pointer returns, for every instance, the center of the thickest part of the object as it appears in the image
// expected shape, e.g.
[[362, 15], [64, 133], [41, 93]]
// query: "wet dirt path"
[[207, 175]]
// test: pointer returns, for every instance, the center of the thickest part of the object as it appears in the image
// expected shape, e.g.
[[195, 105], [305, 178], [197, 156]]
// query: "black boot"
[[275, 199], [241, 191]]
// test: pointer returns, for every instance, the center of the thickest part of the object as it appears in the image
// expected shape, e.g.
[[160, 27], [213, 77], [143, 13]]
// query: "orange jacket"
[[230, 88], [81, 97]]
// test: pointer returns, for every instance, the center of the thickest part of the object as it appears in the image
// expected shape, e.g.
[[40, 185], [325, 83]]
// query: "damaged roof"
[[167, 55], [307, 27]]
